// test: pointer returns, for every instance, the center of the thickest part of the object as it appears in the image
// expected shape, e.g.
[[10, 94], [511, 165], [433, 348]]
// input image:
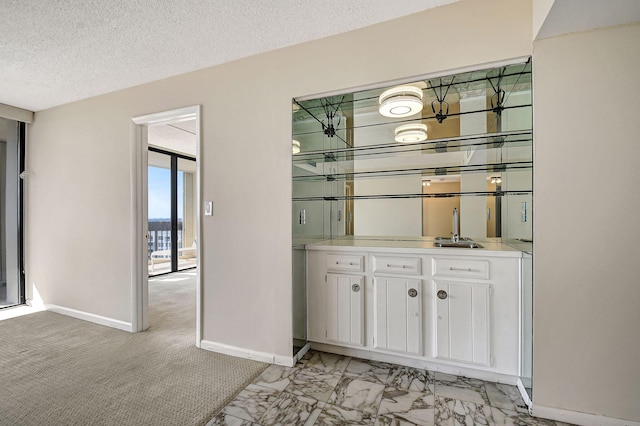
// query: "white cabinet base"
[[419, 362]]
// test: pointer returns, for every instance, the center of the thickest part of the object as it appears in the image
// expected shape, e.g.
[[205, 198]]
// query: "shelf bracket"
[[329, 129], [442, 113], [498, 98]]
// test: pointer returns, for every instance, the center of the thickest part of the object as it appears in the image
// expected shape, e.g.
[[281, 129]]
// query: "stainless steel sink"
[[459, 244]]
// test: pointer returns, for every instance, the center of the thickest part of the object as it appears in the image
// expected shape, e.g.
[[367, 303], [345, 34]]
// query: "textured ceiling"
[[55, 52], [177, 137]]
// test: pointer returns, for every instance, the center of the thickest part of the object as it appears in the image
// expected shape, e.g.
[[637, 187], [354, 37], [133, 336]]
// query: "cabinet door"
[[462, 323], [345, 309], [398, 314]]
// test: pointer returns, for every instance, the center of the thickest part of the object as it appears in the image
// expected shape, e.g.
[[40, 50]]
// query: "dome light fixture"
[[411, 133], [401, 101], [295, 147]]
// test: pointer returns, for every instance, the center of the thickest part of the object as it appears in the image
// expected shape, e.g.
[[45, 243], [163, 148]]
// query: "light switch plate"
[[208, 208]]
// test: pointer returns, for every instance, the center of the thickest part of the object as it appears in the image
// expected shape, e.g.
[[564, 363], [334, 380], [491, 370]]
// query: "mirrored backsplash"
[[396, 161]]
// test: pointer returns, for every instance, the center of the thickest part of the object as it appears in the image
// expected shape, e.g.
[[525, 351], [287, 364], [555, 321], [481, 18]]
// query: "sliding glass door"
[[11, 259], [172, 210], [186, 211]]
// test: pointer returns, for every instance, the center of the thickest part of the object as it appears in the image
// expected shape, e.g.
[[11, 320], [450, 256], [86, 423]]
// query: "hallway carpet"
[[57, 370]]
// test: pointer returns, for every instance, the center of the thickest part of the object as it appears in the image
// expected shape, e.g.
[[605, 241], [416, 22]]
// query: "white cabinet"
[[397, 311], [386, 302], [463, 309], [345, 309], [335, 298], [463, 321], [477, 311]]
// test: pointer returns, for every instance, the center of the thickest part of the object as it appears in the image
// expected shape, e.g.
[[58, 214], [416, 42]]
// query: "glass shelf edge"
[[424, 144], [408, 196], [405, 121], [433, 172]]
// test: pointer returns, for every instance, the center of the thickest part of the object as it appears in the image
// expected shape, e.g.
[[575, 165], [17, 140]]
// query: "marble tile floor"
[[328, 389]]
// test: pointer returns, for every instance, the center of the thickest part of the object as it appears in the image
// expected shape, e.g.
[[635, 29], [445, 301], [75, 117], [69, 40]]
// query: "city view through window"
[[160, 243]]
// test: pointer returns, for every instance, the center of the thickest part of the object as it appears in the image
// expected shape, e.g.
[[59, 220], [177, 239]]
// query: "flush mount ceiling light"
[[401, 101], [410, 133], [295, 146]]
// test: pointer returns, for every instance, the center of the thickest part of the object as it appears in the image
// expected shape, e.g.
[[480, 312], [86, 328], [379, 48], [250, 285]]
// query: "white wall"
[[80, 204], [14, 113], [541, 9], [586, 231]]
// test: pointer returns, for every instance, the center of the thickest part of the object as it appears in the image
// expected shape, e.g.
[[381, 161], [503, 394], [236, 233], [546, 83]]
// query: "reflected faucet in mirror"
[[456, 232]]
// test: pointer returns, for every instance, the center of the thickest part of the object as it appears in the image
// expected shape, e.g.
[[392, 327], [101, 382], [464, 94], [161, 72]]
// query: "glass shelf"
[[431, 172], [408, 196], [388, 125], [454, 144]]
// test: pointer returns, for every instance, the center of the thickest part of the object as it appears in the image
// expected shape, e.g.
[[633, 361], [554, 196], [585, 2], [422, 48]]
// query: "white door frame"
[[140, 273]]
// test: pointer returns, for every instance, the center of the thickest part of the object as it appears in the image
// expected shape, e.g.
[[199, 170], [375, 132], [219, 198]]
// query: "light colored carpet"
[[56, 370]]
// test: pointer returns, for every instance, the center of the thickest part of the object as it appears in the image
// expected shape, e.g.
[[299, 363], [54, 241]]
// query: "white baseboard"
[[287, 361], [578, 418], [470, 372], [524, 394], [302, 352], [86, 316]]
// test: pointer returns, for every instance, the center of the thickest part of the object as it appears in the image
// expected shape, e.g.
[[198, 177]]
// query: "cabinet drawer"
[[345, 262], [463, 268], [397, 265]]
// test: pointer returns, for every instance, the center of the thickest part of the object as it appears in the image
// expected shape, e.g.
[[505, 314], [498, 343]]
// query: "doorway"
[[166, 147], [171, 209]]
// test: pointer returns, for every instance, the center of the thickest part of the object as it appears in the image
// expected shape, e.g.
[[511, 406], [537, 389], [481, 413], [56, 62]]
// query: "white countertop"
[[490, 246]]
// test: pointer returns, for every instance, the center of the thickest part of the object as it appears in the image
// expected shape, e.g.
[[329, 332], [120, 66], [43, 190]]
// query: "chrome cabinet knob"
[[442, 294], [355, 288], [412, 292]]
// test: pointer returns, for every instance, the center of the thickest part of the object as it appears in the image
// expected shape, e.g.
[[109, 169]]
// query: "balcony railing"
[[159, 247]]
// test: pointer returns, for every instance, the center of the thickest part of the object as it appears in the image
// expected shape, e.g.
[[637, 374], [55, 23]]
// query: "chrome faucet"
[[456, 231]]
